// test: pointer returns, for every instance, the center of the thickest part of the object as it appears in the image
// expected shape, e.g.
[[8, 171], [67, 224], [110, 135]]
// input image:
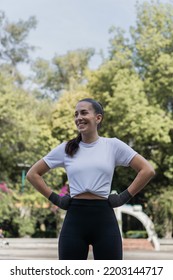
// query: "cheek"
[[94, 123]]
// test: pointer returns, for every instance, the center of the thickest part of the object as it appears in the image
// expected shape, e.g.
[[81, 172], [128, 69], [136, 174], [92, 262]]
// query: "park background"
[[133, 79]]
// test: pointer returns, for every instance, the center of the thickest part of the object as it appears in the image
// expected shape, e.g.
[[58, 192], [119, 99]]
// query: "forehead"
[[84, 105]]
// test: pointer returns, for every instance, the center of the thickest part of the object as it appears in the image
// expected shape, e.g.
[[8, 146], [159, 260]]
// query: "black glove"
[[62, 202], [117, 200]]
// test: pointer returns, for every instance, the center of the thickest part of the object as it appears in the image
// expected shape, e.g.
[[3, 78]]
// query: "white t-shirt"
[[91, 169]]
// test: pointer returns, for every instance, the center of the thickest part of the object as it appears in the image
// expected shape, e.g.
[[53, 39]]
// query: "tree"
[[28, 214], [153, 51], [8, 214], [24, 129], [63, 73], [13, 47], [161, 209]]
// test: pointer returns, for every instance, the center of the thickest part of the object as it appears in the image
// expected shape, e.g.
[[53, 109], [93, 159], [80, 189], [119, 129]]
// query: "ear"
[[98, 118]]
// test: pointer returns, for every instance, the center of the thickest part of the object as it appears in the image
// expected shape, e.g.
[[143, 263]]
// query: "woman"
[[89, 161]]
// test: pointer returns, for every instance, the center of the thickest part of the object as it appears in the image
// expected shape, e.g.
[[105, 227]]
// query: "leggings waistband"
[[89, 202]]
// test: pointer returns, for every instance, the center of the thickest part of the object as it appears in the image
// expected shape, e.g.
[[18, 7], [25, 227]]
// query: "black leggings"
[[90, 222]]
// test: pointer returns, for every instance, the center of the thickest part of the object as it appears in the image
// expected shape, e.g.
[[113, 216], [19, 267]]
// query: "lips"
[[81, 124]]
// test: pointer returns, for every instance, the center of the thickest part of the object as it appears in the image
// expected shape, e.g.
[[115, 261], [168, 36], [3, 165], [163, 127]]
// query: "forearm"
[[140, 181], [39, 184], [34, 176], [145, 172]]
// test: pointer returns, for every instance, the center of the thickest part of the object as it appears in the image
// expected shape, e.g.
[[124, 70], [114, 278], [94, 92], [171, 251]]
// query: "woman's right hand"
[[62, 202]]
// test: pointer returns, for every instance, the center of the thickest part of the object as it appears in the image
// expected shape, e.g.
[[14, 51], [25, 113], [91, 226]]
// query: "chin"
[[82, 131]]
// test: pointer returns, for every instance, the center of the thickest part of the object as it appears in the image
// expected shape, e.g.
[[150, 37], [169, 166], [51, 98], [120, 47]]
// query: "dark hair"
[[73, 145]]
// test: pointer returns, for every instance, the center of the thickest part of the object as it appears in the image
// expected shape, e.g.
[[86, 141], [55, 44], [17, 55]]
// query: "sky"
[[65, 25]]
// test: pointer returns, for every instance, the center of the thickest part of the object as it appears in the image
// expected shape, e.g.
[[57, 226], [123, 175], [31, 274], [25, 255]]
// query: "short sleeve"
[[123, 153], [55, 158]]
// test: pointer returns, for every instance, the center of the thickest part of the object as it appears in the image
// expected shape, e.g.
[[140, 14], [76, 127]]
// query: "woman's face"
[[86, 119]]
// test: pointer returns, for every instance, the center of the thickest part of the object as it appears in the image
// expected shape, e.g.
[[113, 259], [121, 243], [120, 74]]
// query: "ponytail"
[[72, 145]]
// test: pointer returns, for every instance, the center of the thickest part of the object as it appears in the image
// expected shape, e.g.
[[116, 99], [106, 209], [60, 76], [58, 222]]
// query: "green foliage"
[[48, 222], [28, 215], [153, 41], [136, 234], [25, 129], [161, 209], [8, 214], [14, 49], [26, 226], [63, 73], [16, 130]]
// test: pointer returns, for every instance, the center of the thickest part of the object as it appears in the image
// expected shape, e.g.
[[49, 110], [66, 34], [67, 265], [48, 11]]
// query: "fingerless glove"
[[62, 202], [117, 200]]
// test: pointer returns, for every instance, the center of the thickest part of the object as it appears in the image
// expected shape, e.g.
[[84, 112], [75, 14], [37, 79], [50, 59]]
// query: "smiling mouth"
[[81, 124]]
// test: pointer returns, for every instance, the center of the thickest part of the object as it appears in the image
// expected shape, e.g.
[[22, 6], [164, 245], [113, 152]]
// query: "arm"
[[34, 176], [145, 172]]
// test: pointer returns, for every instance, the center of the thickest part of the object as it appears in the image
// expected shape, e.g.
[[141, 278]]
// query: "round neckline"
[[84, 144]]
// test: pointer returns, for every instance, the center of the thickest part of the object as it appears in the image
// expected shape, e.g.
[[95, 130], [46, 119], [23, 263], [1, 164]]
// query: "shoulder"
[[56, 156], [59, 149], [61, 146], [116, 144], [112, 141]]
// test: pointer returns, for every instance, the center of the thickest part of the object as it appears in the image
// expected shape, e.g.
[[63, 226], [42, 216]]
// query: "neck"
[[89, 138]]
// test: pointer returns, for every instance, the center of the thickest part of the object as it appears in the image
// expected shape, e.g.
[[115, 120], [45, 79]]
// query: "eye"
[[84, 112]]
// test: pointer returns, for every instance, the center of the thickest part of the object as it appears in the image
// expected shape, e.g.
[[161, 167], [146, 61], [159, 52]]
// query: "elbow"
[[29, 175], [154, 173], [151, 172]]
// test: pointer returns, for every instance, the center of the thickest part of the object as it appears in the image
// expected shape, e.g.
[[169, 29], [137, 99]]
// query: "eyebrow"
[[83, 110]]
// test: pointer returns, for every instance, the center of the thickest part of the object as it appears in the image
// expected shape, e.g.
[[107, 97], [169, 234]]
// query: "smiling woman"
[[88, 117], [89, 161], [91, 113]]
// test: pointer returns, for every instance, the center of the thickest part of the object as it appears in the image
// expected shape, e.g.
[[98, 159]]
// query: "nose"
[[78, 117]]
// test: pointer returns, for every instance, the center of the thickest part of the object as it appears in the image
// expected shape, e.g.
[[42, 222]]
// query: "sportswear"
[[92, 167], [90, 222]]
